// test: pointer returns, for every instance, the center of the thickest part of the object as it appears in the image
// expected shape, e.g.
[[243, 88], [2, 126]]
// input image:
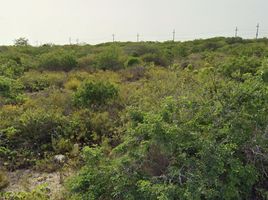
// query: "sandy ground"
[[26, 180]]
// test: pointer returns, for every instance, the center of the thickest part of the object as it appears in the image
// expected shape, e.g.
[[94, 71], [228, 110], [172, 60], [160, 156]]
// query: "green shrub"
[[132, 61], [240, 65], [186, 148], [72, 84], [80, 127], [39, 126], [234, 40], [265, 71], [52, 99], [195, 130], [10, 68], [90, 127], [47, 165], [265, 76], [6, 86], [157, 59], [87, 62], [39, 193], [95, 93], [58, 61], [62, 145], [101, 126], [137, 50], [110, 59], [10, 90], [133, 73], [34, 81]]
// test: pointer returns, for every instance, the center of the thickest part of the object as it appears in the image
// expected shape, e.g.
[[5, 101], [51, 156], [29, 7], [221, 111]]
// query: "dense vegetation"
[[148, 120]]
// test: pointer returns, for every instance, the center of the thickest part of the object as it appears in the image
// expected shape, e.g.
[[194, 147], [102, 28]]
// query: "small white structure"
[[60, 159]]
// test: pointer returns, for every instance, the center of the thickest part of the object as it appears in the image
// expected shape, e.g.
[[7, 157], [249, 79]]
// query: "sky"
[[95, 21]]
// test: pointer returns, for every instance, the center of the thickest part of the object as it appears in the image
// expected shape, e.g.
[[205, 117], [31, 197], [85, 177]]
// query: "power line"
[[236, 31], [257, 33]]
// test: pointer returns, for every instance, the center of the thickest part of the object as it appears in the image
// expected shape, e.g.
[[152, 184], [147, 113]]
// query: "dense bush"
[[110, 58], [10, 90], [133, 73], [265, 71], [34, 81], [95, 93], [234, 40], [132, 61], [72, 84], [6, 86], [240, 65], [39, 193], [157, 59], [11, 69], [87, 62], [188, 149], [38, 127], [171, 120], [58, 61]]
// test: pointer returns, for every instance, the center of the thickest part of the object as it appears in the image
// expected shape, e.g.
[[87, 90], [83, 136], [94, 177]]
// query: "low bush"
[[133, 73], [95, 93], [34, 81], [58, 61], [62, 145], [72, 84], [87, 62], [264, 71], [240, 65], [47, 165], [137, 50], [10, 68], [10, 90], [39, 193], [132, 61], [155, 58], [110, 59], [38, 127]]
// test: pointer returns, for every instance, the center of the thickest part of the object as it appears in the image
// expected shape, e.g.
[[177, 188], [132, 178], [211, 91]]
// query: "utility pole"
[[113, 37], [70, 40], [257, 33], [138, 37], [236, 31], [174, 32]]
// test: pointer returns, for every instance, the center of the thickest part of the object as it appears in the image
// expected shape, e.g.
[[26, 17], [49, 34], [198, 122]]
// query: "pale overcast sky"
[[94, 21]]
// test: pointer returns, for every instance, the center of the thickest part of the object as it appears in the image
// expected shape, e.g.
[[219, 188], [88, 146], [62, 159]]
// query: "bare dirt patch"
[[27, 180]]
